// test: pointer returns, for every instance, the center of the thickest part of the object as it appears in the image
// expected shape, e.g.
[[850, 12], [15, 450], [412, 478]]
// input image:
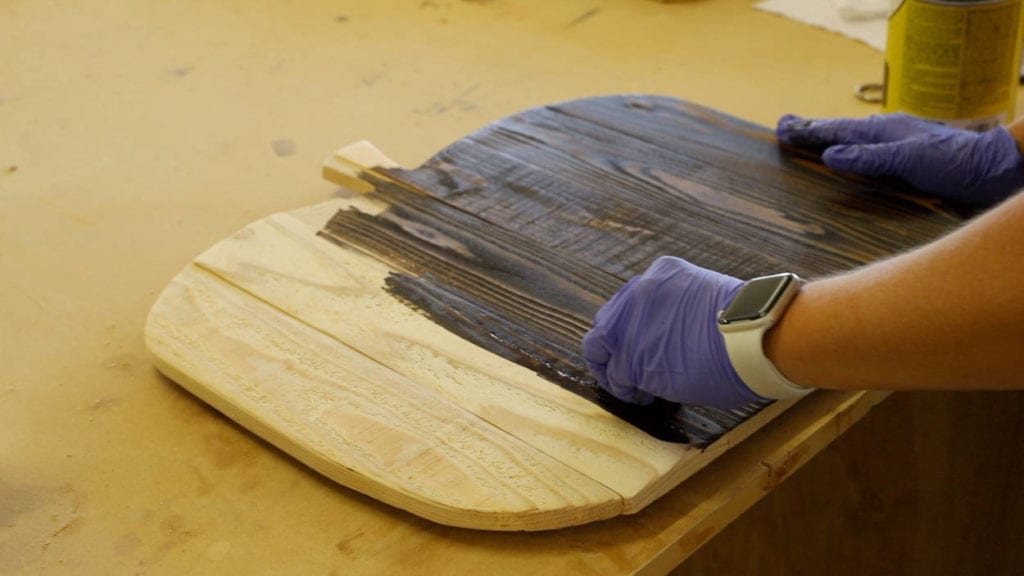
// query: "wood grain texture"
[[357, 421], [535, 219], [508, 294], [619, 181]]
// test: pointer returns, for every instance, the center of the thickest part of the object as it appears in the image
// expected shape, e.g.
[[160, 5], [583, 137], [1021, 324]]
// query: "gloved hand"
[[978, 168], [658, 336]]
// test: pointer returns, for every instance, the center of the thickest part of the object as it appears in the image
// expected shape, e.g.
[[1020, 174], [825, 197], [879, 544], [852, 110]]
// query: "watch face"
[[756, 298]]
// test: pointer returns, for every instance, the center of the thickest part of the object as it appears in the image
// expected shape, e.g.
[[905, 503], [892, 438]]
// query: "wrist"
[[743, 325], [783, 343], [803, 345]]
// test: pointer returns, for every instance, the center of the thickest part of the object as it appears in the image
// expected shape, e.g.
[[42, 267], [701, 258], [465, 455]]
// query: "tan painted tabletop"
[[135, 134]]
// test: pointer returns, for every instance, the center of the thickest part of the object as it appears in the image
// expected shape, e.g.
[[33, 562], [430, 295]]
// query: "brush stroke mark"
[[509, 295]]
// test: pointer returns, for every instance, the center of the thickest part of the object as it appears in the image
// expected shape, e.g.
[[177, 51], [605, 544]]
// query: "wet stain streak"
[[507, 294]]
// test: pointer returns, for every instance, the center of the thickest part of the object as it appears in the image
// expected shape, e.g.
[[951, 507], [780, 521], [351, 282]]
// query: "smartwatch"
[[755, 308]]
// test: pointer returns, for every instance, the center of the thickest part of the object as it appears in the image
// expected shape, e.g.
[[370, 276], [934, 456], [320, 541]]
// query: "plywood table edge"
[[755, 468]]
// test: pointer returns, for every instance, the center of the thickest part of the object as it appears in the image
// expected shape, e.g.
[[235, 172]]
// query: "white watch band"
[[746, 352]]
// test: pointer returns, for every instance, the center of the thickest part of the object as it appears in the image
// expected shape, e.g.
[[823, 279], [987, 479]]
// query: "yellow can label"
[[955, 62]]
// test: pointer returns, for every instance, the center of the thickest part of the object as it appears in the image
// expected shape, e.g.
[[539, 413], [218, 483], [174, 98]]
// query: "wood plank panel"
[[528, 224]]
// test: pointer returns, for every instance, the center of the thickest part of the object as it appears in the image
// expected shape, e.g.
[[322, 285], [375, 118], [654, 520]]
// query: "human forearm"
[[949, 315]]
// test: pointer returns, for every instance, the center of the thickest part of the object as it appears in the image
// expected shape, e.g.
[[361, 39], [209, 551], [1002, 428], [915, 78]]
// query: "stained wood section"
[[515, 235], [508, 294], [619, 181]]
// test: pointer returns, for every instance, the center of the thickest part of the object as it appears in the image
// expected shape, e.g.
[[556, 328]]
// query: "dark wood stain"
[[514, 236]]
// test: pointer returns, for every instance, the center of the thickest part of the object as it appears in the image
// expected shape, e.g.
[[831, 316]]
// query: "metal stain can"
[[956, 62]]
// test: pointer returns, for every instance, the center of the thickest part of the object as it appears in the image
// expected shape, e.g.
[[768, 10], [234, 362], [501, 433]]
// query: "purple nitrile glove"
[[658, 337], [977, 168]]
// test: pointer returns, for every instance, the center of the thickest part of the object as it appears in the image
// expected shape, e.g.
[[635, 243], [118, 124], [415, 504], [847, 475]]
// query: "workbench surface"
[[134, 135]]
